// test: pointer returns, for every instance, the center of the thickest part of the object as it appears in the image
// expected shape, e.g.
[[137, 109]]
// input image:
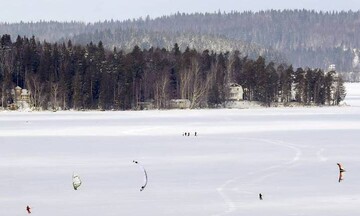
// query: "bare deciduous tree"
[[193, 86], [161, 92], [36, 88], [54, 95]]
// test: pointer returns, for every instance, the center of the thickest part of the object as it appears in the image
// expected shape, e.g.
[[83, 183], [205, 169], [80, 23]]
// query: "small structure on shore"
[[180, 103]]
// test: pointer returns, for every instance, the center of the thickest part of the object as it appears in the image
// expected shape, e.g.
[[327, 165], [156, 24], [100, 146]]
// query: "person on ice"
[[28, 209], [260, 196]]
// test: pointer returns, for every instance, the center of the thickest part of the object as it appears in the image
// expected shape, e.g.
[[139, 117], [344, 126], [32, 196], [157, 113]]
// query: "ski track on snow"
[[231, 204]]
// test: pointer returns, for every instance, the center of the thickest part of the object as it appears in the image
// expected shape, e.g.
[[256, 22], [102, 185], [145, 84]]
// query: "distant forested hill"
[[305, 38], [125, 35], [126, 39]]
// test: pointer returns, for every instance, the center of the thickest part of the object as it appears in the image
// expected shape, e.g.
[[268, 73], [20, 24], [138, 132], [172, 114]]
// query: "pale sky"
[[99, 10]]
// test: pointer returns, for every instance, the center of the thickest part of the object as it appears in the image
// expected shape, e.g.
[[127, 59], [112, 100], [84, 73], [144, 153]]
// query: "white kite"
[[76, 181]]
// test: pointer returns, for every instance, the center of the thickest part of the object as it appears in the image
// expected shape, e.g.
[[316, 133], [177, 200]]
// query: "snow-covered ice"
[[287, 154]]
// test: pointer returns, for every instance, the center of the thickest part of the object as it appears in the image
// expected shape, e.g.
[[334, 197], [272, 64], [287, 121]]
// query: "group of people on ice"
[[188, 134]]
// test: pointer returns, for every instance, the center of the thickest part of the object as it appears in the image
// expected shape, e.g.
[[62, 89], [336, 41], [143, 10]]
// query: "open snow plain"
[[287, 154]]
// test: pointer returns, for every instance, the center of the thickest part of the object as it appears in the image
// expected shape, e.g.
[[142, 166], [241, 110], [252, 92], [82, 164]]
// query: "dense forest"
[[68, 76], [306, 38]]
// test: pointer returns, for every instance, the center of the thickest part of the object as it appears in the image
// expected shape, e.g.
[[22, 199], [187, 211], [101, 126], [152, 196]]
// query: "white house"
[[236, 92]]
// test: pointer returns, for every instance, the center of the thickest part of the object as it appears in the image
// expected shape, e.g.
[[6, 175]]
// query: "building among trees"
[[236, 92], [18, 98]]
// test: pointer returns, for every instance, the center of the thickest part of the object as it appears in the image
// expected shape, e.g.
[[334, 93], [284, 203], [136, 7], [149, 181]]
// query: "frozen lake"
[[287, 154]]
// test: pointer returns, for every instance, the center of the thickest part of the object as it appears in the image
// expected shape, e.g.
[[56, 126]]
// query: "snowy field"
[[287, 154]]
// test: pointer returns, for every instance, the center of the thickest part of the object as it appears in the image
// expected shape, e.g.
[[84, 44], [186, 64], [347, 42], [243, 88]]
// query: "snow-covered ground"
[[287, 154]]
